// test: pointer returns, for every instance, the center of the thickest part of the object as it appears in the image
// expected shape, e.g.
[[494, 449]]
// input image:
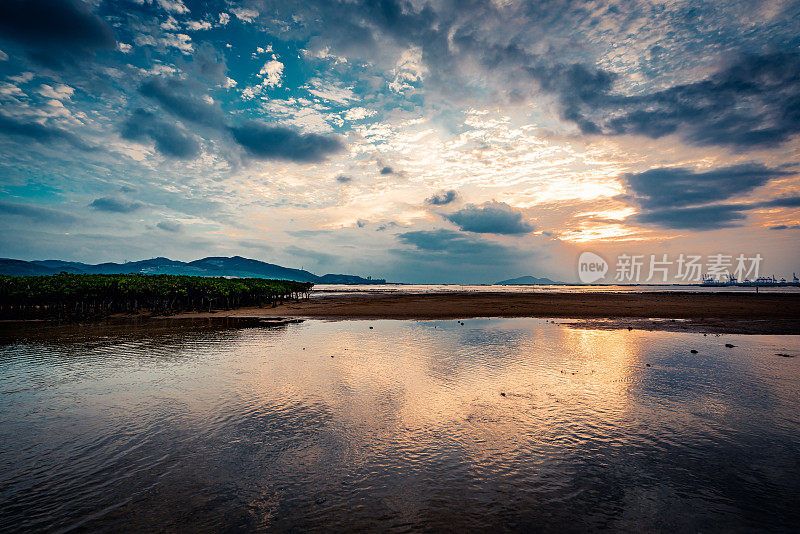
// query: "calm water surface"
[[335, 426], [321, 290]]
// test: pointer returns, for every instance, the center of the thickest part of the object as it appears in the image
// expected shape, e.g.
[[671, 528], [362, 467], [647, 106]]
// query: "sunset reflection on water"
[[398, 425]]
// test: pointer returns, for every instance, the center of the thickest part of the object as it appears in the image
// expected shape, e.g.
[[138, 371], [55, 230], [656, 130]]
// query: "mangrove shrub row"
[[95, 295]]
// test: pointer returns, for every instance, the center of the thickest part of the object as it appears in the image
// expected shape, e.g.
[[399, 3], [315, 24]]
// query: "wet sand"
[[690, 312]]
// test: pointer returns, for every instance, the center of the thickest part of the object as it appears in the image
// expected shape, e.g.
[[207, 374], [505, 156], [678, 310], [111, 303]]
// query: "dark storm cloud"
[[754, 102], [678, 186], [344, 179], [258, 139], [210, 63], [442, 240], [696, 218], [490, 218], [455, 257], [40, 133], [710, 217], [785, 227], [784, 202], [37, 213], [387, 170], [454, 246], [385, 226], [54, 30], [170, 226], [275, 142], [176, 97], [115, 205], [168, 138], [576, 84], [442, 198], [680, 198]]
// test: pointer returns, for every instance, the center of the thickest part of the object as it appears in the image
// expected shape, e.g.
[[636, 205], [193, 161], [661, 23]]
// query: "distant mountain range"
[[529, 281], [212, 266]]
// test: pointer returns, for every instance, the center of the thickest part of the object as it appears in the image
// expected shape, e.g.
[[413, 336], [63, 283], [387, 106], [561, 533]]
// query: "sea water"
[[511, 424]]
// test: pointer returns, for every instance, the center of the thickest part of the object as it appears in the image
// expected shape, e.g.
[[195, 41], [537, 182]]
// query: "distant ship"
[[730, 280]]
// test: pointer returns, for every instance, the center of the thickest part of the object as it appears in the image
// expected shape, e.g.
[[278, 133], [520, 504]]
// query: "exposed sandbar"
[[700, 312]]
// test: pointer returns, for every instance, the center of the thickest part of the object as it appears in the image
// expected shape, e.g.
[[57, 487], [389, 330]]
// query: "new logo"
[[591, 267]]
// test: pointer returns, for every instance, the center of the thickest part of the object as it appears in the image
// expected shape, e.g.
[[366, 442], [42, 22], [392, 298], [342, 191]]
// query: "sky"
[[422, 141]]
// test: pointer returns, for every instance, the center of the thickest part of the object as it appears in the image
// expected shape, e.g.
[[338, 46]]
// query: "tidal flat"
[[730, 312]]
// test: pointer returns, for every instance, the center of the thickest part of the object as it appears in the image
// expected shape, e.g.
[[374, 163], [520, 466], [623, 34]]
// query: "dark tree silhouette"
[[76, 296]]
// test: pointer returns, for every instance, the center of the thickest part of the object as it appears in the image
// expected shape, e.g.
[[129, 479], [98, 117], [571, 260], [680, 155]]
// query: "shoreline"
[[687, 312], [711, 313]]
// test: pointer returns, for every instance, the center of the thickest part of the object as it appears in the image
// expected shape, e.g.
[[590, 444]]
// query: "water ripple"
[[407, 426]]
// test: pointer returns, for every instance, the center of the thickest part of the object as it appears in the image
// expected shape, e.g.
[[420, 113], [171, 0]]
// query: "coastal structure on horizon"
[[731, 280]]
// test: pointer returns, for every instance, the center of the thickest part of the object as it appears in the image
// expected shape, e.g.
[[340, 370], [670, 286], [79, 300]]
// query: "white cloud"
[[181, 41], [124, 48], [59, 92], [310, 120], [296, 112], [229, 82], [357, 114], [272, 71], [262, 50], [409, 69], [23, 77], [244, 14], [3, 56], [224, 18], [9, 89], [55, 109], [170, 24], [111, 72], [250, 92], [197, 25], [159, 69], [174, 6], [324, 53], [330, 91], [145, 40]]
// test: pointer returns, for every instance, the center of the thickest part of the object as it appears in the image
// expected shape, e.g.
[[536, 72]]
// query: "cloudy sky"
[[438, 141]]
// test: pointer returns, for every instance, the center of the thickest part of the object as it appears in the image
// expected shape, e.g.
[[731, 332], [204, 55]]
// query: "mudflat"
[[748, 313]]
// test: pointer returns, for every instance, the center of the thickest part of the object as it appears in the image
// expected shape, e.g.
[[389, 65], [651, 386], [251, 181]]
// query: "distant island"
[[528, 281], [235, 266]]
